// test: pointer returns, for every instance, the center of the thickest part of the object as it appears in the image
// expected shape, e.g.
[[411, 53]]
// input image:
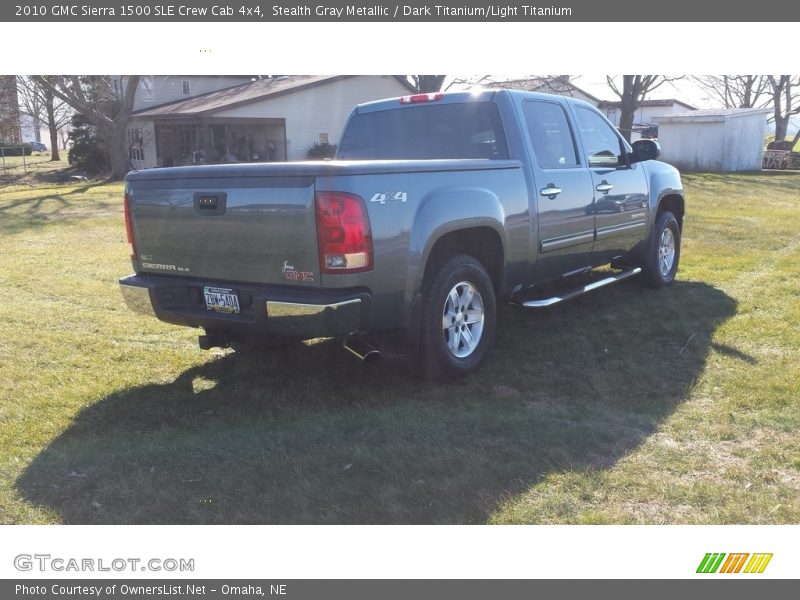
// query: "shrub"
[[88, 152], [318, 151]]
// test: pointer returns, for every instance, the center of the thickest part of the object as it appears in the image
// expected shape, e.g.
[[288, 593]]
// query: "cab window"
[[549, 134], [600, 141]]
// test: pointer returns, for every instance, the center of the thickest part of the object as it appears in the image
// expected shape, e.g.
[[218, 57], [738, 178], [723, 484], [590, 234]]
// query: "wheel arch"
[[674, 203], [482, 239], [482, 242]]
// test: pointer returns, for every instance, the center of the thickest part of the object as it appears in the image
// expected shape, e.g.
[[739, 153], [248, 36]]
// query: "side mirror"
[[645, 150]]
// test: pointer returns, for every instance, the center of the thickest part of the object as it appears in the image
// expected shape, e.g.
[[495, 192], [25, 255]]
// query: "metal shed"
[[730, 139]]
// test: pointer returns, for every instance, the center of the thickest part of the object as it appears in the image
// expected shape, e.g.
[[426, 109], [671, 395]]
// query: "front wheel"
[[458, 319], [663, 252]]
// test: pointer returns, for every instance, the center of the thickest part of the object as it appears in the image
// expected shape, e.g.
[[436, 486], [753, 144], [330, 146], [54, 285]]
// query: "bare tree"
[[749, 91], [553, 84], [785, 103], [63, 135], [108, 109], [632, 91], [736, 91], [41, 106], [31, 104], [59, 114], [468, 81]]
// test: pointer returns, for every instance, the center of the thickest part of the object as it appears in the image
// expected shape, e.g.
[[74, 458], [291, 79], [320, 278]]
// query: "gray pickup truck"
[[436, 206]]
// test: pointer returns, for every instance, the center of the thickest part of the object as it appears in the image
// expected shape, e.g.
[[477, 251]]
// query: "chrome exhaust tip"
[[362, 350]]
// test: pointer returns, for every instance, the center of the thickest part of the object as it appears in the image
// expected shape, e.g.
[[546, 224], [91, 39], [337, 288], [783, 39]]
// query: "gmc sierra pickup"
[[436, 206]]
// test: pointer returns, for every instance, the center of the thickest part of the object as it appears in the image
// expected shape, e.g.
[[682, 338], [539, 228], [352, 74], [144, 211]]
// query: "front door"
[[565, 200]]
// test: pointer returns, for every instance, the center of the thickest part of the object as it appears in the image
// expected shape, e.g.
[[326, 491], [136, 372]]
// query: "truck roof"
[[480, 95]]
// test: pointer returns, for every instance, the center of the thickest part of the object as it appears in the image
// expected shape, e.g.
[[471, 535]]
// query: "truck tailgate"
[[257, 229]]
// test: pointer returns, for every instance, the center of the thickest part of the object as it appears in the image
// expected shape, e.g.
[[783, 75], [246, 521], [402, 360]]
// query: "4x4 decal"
[[382, 197]]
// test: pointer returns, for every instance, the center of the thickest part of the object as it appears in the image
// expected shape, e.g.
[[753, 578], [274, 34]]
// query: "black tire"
[[434, 358], [653, 274]]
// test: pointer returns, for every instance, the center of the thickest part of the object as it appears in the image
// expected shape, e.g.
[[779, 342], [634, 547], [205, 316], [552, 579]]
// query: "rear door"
[[564, 196], [620, 189]]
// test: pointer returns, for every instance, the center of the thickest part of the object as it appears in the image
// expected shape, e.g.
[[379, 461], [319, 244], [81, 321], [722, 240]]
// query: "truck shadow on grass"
[[308, 435]]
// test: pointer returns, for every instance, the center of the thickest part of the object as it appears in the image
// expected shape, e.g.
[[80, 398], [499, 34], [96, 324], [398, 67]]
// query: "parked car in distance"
[[436, 207], [38, 147]]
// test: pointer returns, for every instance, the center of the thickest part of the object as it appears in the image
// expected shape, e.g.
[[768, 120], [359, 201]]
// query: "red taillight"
[[417, 98], [129, 225], [343, 235]]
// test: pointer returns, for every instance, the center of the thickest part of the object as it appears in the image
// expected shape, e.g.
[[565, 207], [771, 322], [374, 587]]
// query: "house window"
[[135, 143], [186, 89]]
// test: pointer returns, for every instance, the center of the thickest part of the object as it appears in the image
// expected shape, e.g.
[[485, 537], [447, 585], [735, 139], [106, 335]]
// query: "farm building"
[[730, 139]]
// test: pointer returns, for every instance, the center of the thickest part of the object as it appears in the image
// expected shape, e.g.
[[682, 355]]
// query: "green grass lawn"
[[624, 406], [35, 163]]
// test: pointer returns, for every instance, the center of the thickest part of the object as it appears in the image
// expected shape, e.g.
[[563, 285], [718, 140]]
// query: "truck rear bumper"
[[136, 296], [265, 310]]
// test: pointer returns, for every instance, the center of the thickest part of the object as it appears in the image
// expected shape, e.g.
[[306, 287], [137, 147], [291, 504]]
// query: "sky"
[[686, 89]]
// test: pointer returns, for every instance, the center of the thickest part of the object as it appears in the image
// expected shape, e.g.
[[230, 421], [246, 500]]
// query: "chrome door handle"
[[551, 191], [604, 187]]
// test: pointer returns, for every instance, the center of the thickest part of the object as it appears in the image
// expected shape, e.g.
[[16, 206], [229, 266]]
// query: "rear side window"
[[430, 131], [550, 135]]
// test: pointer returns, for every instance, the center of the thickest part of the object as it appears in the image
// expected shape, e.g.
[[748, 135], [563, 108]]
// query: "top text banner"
[[430, 11]]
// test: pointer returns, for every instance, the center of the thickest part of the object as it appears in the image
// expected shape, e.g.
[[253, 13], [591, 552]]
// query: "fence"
[[9, 164]]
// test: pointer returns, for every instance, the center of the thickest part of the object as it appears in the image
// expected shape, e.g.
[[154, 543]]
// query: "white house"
[[730, 139], [273, 119], [30, 133], [155, 90]]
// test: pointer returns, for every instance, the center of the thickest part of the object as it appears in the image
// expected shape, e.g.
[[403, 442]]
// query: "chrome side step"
[[542, 302]]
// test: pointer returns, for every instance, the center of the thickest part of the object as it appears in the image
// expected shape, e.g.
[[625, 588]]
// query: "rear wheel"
[[458, 319], [663, 252]]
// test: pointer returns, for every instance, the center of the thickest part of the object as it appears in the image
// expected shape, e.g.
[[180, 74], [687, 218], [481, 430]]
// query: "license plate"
[[221, 300]]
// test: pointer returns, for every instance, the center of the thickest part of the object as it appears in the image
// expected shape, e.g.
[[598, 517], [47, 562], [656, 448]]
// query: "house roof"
[[711, 114], [645, 103], [534, 84], [239, 95]]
